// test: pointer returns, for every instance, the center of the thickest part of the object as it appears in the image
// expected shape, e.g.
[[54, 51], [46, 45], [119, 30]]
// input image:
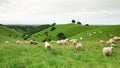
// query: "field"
[[14, 55]]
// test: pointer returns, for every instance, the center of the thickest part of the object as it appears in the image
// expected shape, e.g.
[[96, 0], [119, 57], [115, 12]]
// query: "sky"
[[98, 12]]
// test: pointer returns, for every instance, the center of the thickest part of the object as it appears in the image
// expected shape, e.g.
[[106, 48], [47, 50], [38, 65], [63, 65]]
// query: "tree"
[[61, 36], [73, 21], [86, 24], [53, 28], [53, 24], [79, 23]]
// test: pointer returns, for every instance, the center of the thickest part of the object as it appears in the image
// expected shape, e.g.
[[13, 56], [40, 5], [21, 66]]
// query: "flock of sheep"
[[78, 46]]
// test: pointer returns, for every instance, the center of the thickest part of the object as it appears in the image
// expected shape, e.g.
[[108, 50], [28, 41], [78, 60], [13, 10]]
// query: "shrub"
[[53, 28], [61, 36]]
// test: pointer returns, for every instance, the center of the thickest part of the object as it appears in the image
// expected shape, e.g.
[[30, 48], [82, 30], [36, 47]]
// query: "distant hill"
[[9, 34], [69, 30]]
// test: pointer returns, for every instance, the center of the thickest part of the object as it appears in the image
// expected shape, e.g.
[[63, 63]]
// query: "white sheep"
[[81, 38], [78, 46], [94, 32], [61, 42], [73, 41], [100, 32], [110, 41], [107, 51], [102, 41], [33, 42], [47, 46], [6, 42], [116, 38], [18, 42]]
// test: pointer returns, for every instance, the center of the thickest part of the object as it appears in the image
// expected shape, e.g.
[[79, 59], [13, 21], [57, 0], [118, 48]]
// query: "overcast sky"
[[59, 11]]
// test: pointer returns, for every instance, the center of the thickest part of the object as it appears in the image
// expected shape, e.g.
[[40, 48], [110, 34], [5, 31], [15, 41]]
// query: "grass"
[[35, 56], [9, 34]]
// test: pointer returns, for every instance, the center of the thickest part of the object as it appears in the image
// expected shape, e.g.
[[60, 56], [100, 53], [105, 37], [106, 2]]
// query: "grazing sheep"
[[116, 38], [47, 46], [107, 51], [6, 42], [111, 35], [33, 42], [61, 42], [81, 38], [78, 46], [112, 45], [73, 41], [89, 34], [102, 41], [100, 32], [18, 42], [94, 32], [52, 41], [110, 41]]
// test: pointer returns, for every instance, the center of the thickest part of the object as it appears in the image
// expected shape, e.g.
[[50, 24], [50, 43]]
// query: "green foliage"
[[73, 21], [79, 23], [53, 28], [61, 36], [53, 24]]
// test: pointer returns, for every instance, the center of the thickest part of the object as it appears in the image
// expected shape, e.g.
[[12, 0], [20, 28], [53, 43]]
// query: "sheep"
[[116, 38], [61, 42], [6, 42], [107, 51], [78, 46], [100, 32], [111, 35], [19, 42], [73, 41], [89, 34], [52, 41], [47, 46], [81, 38], [102, 41], [33, 42], [94, 32], [110, 41]]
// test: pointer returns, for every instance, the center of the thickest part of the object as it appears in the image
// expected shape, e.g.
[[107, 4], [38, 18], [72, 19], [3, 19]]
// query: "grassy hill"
[[35, 56], [69, 30], [9, 34], [76, 31]]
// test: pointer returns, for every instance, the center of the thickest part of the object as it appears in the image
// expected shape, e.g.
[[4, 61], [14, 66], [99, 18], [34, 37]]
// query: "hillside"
[[107, 30], [22, 55], [9, 34], [69, 30]]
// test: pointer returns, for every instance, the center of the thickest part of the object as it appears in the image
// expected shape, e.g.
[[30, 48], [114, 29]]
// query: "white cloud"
[[49, 11]]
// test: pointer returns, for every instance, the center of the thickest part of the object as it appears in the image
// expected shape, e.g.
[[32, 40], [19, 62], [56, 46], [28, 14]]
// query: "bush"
[[79, 23], [87, 25], [53, 24], [61, 36], [53, 28], [73, 21]]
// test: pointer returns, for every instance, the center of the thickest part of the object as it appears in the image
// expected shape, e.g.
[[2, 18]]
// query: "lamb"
[[107, 51], [47, 46], [78, 46], [6, 42]]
